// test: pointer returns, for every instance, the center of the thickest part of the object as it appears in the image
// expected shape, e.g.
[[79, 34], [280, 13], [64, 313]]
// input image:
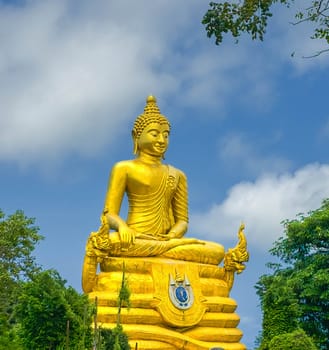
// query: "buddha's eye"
[[154, 133]]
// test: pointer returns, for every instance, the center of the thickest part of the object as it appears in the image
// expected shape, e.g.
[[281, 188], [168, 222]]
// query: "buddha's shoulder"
[[178, 172], [123, 165]]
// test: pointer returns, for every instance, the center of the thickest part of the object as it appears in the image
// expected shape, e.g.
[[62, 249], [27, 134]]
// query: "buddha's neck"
[[149, 159]]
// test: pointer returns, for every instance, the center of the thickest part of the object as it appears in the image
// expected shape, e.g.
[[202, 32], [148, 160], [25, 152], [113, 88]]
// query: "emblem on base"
[[180, 292]]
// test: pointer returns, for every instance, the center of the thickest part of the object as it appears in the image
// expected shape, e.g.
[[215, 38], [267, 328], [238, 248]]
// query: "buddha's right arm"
[[123, 232], [114, 195], [114, 221], [113, 200]]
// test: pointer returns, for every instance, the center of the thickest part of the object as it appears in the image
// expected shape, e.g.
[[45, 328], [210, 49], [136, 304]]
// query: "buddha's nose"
[[161, 139]]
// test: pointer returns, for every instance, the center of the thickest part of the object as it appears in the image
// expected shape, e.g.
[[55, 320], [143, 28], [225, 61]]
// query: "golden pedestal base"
[[174, 304]]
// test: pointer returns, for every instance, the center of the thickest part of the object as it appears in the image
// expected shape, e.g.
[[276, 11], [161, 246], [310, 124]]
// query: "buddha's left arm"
[[180, 208]]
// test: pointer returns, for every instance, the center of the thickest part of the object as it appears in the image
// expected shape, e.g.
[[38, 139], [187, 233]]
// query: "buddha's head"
[[151, 130]]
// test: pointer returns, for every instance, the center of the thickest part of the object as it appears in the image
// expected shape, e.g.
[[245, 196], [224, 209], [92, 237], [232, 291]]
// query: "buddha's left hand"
[[178, 230]]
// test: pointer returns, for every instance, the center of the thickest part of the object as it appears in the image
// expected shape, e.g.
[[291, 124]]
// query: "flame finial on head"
[[151, 106]]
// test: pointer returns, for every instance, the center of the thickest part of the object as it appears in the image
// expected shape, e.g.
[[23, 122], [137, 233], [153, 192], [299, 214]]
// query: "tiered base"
[[155, 319]]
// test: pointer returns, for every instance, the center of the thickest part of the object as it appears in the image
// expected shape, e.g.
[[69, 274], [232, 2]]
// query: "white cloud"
[[73, 73], [66, 89], [263, 204], [235, 150]]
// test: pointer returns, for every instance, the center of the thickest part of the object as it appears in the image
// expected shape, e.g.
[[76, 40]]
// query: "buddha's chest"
[[147, 180]]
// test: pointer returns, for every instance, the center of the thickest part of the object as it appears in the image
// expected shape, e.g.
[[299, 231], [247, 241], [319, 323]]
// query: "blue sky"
[[250, 123]]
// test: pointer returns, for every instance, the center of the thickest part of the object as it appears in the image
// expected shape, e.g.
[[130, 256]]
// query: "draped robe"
[[152, 214]]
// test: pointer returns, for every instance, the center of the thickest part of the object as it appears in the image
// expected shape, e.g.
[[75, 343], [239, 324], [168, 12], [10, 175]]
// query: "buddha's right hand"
[[104, 230], [127, 237], [98, 244]]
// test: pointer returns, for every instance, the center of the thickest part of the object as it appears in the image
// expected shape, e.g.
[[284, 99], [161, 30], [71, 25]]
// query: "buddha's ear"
[[135, 141]]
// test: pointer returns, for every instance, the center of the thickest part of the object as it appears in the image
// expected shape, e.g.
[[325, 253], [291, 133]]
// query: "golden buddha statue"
[[158, 208], [151, 244]]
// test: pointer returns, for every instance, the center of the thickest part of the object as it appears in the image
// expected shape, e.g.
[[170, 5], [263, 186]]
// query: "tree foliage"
[[37, 310], [296, 294], [294, 340], [51, 316], [251, 17], [113, 339], [18, 238]]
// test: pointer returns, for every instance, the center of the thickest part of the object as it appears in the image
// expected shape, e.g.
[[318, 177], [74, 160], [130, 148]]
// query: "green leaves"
[[37, 310], [294, 340], [46, 308], [18, 238], [305, 237], [113, 339], [251, 17], [296, 295]]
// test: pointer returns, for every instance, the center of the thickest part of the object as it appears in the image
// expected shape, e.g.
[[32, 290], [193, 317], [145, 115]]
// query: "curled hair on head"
[[151, 115]]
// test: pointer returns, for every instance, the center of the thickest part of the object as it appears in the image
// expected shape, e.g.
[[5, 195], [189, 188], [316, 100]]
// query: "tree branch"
[[318, 53]]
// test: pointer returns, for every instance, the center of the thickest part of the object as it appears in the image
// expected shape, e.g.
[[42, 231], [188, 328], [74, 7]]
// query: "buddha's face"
[[154, 139]]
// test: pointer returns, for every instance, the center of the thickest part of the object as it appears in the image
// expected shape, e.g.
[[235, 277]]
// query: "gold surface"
[[148, 336], [179, 293]]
